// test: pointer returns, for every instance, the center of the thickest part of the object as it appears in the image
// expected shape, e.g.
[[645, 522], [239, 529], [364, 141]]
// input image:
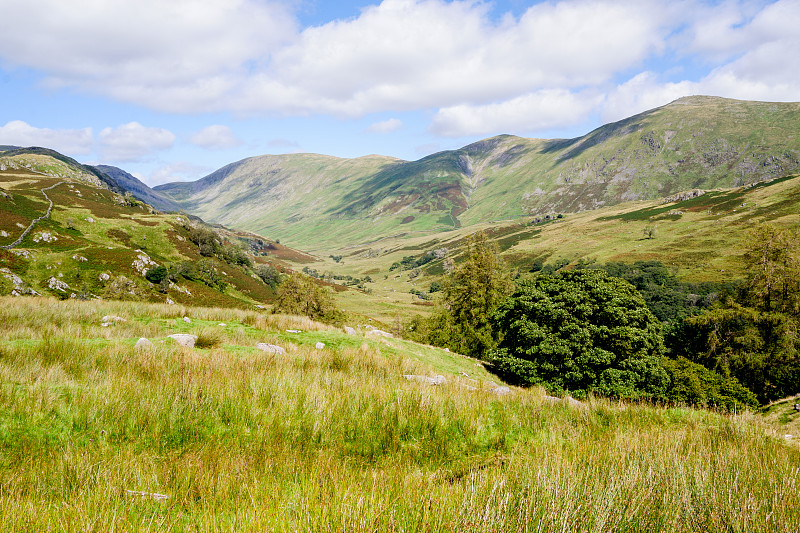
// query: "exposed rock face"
[[184, 339], [270, 348], [57, 285]]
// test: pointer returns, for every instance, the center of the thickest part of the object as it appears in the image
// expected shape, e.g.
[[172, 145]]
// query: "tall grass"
[[336, 440]]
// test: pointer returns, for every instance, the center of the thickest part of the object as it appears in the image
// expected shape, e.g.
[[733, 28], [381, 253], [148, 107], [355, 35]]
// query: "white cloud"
[[132, 141], [476, 72], [249, 57], [179, 171], [386, 126], [68, 142], [215, 137], [180, 55], [536, 111]]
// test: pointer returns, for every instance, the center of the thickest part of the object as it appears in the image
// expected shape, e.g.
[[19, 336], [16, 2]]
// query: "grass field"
[[96, 435]]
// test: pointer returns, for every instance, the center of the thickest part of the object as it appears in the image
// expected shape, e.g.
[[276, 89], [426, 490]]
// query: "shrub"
[[156, 275], [298, 295], [694, 384]]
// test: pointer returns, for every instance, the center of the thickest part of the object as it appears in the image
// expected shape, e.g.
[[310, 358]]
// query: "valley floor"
[[97, 435]]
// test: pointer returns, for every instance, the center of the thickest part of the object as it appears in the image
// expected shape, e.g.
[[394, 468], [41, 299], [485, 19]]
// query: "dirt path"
[[46, 215]]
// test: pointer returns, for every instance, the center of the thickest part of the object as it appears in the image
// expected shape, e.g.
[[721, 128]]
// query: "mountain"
[[138, 189], [323, 203]]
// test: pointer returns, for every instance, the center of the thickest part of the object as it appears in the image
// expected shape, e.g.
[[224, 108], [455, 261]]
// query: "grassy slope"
[[702, 238], [336, 440], [322, 203]]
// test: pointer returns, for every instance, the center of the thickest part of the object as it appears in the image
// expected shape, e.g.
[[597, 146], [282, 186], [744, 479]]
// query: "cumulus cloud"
[[70, 142], [386, 126], [132, 141], [215, 137], [478, 72], [536, 111]]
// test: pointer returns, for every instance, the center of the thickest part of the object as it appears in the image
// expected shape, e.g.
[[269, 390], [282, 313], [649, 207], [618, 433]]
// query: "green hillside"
[[322, 203], [63, 233]]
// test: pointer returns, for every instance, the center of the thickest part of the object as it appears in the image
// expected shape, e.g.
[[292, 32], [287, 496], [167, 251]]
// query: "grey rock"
[[270, 348], [435, 380], [143, 344], [379, 333], [184, 339], [501, 391], [113, 318], [319, 345], [187, 320], [350, 331]]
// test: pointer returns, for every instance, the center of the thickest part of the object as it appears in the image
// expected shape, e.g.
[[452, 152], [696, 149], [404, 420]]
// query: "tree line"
[[631, 331]]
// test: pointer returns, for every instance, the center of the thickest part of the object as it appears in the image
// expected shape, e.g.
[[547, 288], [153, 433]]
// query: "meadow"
[[97, 435]]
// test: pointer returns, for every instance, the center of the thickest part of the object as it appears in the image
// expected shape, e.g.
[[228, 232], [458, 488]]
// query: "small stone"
[[293, 331], [350, 331], [187, 320], [143, 344], [170, 301], [222, 325], [319, 345], [184, 339], [270, 348], [104, 277]]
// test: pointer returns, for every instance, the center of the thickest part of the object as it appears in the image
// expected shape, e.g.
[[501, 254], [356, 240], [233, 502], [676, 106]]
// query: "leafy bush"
[[581, 331], [694, 384], [298, 295], [157, 275], [269, 275]]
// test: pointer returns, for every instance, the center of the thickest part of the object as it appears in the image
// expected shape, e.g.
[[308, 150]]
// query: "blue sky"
[[174, 90]]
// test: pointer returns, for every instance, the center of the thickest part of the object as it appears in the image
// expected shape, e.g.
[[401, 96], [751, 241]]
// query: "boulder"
[[113, 318], [350, 331], [501, 391], [187, 320], [143, 344], [270, 348], [184, 339], [319, 345]]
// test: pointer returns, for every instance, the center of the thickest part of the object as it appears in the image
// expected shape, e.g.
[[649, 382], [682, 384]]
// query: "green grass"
[[335, 440]]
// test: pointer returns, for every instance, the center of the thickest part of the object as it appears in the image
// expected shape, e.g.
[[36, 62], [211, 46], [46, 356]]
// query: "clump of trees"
[[630, 331]]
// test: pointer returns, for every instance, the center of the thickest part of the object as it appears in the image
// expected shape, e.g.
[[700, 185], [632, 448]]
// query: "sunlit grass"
[[92, 431]]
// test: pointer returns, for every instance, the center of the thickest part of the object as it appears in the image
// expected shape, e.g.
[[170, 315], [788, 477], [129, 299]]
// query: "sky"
[[171, 91]]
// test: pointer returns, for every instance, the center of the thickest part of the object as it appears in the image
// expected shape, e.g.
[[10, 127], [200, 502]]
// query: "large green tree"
[[580, 331]]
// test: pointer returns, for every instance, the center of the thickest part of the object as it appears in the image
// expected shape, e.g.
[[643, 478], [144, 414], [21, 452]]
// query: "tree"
[[299, 295], [694, 384], [470, 293], [582, 331], [773, 268]]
